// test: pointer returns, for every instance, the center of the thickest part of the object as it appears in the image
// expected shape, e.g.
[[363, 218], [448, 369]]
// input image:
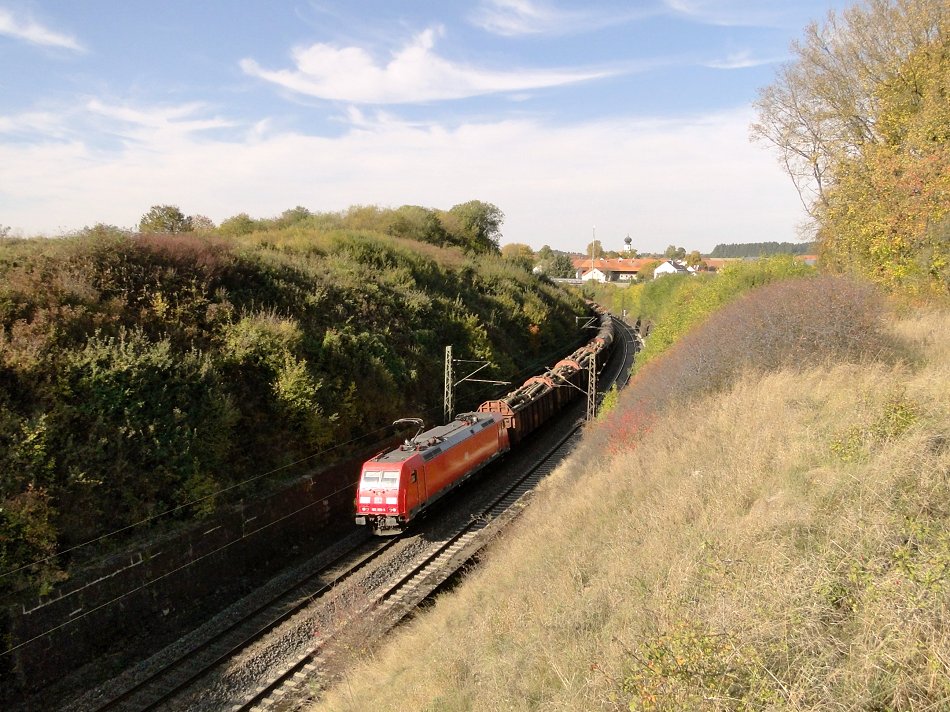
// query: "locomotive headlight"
[[391, 500]]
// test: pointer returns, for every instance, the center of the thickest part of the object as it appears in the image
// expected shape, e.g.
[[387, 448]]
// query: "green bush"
[[141, 372], [131, 420]]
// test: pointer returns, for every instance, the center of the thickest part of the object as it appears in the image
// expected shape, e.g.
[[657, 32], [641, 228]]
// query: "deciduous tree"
[[202, 223], [293, 216], [824, 106], [166, 219], [554, 263], [481, 224], [861, 122], [884, 213], [561, 265], [519, 253], [694, 259], [647, 270], [240, 224]]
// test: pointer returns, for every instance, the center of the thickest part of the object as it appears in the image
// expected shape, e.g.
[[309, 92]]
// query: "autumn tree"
[[202, 223], [595, 250], [240, 224], [888, 210], [647, 270], [520, 253], [561, 265], [694, 259], [860, 122], [418, 223], [165, 219], [824, 106], [101, 230], [554, 263]]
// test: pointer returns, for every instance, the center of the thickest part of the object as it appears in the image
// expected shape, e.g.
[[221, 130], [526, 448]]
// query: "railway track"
[[395, 601], [154, 690], [202, 676]]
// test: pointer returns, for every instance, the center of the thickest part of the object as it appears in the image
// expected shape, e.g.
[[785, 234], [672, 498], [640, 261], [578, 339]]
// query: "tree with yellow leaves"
[[861, 121]]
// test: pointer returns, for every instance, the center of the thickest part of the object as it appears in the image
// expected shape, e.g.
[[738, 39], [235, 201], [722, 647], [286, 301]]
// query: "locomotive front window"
[[371, 476], [390, 478]]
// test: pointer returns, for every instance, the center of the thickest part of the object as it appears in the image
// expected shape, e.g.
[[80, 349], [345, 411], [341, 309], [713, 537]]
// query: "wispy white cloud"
[[113, 119], [524, 17], [743, 60], [30, 31], [33, 123], [414, 73], [167, 118], [626, 174], [761, 13], [514, 18]]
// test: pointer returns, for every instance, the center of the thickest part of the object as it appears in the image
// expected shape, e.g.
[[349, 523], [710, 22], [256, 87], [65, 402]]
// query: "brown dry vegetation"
[[781, 543]]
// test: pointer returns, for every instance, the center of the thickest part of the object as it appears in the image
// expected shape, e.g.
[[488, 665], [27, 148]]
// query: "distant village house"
[[626, 269], [620, 269], [672, 267]]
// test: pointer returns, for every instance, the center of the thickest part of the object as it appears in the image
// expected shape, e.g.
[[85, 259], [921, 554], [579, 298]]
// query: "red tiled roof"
[[718, 263], [618, 264]]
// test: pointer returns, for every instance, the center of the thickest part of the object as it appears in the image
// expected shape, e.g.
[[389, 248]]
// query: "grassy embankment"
[[760, 523]]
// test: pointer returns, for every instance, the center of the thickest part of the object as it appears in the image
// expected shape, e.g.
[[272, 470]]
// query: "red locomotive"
[[396, 486]]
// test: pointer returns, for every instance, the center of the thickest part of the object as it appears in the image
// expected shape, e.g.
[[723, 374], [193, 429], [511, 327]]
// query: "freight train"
[[397, 486]]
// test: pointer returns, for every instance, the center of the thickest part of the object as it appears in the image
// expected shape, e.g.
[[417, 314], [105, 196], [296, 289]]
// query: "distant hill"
[[759, 249]]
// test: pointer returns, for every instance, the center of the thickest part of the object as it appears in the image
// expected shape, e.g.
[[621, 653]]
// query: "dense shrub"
[[672, 305], [140, 372], [790, 323]]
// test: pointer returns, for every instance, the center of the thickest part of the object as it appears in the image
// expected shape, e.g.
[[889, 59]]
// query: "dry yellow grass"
[[784, 545]]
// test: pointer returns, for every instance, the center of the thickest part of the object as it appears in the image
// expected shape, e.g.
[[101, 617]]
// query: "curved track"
[[154, 690], [399, 598], [222, 671]]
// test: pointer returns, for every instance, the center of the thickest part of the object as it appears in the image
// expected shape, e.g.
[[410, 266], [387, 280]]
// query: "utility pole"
[[591, 387], [448, 399], [449, 393], [591, 323]]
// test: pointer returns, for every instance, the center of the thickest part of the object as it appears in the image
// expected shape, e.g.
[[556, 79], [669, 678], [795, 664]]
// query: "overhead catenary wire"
[[528, 369], [197, 500]]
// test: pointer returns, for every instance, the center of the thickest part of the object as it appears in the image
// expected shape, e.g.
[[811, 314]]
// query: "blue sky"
[[577, 119]]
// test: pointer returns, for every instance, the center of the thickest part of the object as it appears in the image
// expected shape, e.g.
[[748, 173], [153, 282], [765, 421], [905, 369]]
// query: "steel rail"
[[174, 685], [403, 595]]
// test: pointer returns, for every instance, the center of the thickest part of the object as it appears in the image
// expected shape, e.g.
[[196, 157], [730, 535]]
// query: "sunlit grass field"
[[780, 542]]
